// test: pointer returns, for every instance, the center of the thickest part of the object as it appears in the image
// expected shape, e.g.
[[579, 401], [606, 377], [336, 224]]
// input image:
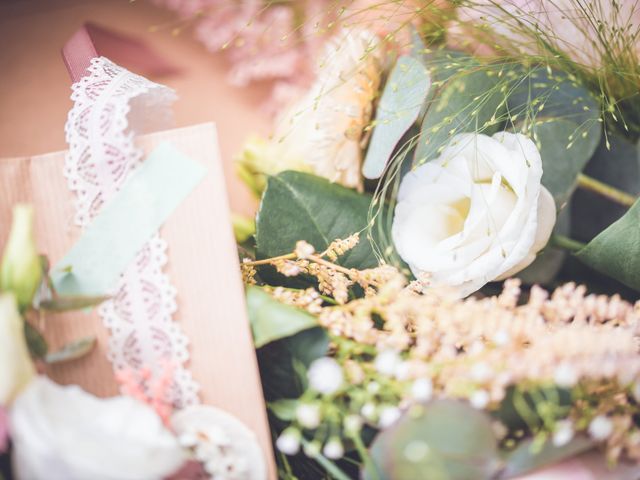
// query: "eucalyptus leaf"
[[271, 320], [65, 303], [615, 164], [528, 456], [399, 107], [561, 163], [298, 206], [563, 118], [616, 251], [444, 440], [35, 341], [464, 98], [72, 351]]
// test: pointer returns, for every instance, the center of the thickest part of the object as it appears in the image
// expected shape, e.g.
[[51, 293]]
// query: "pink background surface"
[[34, 84]]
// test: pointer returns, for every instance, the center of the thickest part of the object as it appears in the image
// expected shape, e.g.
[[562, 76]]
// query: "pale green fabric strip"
[[127, 222]]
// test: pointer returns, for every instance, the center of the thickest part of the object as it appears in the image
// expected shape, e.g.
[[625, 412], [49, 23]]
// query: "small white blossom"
[[333, 449], [387, 362], [352, 423], [479, 399], [501, 338], [481, 372], [303, 249], [289, 441], [565, 376], [369, 411], [563, 433], [325, 375], [389, 416], [422, 389], [312, 449], [308, 415], [373, 387], [600, 428]]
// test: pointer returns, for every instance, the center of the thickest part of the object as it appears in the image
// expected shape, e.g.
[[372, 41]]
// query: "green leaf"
[[464, 98], [283, 363], [561, 165], [616, 250], [72, 351], [66, 303], [399, 108], [35, 341], [444, 440], [284, 409], [271, 320], [563, 118], [527, 457], [298, 206]]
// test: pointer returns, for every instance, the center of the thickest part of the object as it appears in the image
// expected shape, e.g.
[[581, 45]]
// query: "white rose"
[[475, 214], [16, 367], [64, 432]]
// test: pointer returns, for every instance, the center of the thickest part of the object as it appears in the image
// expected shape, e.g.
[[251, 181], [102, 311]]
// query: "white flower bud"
[[565, 376], [479, 399], [387, 362], [308, 415], [600, 428], [563, 433], [369, 411], [373, 387], [333, 449], [312, 449], [325, 375], [352, 424], [289, 441], [422, 389], [388, 416], [481, 372]]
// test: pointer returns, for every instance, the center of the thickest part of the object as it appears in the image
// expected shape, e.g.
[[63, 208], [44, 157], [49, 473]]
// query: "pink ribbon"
[[92, 41]]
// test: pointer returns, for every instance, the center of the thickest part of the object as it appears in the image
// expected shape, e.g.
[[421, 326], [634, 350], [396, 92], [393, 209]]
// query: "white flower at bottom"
[[422, 389], [289, 441], [325, 375], [64, 432], [600, 428], [333, 449], [475, 214], [388, 416], [479, 399], [308, 415], [563, 433]]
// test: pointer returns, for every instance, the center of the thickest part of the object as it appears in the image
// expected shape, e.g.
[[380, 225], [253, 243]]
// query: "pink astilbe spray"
[[262, 41], [153, 390]]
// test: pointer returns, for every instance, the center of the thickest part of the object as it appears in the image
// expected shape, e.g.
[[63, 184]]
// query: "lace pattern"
[[111, 106]]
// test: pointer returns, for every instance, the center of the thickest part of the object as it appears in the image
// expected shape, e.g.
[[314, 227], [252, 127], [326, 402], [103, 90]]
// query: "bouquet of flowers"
[[495, 142]]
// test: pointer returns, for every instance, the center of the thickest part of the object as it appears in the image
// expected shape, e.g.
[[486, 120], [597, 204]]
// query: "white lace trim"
[[111, 106]]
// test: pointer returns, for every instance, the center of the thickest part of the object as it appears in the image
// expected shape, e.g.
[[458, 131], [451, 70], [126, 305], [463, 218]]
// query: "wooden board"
[[203, 266]]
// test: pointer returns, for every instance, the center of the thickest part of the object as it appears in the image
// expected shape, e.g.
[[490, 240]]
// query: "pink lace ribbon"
[[111, 106]]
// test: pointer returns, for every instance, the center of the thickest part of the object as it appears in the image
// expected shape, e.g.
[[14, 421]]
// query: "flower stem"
[[567, 243], [612, 193], [364, 456]]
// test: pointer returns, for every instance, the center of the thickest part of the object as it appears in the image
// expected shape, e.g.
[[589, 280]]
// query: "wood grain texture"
[[203, 266]]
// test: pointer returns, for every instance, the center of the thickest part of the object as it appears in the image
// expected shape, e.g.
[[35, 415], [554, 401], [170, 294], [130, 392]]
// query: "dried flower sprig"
[[333, 280], [398, 345]]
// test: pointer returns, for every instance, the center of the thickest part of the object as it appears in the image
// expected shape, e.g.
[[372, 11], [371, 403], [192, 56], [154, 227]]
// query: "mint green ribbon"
[[110, 243]]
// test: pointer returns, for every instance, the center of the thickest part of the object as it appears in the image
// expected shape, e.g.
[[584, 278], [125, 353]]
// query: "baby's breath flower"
[[388, 416], [303, 249], [308, 415], [422, 389], [289, 441], [333, 449], [387, 362], [600, 428], [325, 375], [479, 399], [563, 433]]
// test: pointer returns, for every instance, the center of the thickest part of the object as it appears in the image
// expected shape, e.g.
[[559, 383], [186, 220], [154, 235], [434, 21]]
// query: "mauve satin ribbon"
[[92, 41]]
